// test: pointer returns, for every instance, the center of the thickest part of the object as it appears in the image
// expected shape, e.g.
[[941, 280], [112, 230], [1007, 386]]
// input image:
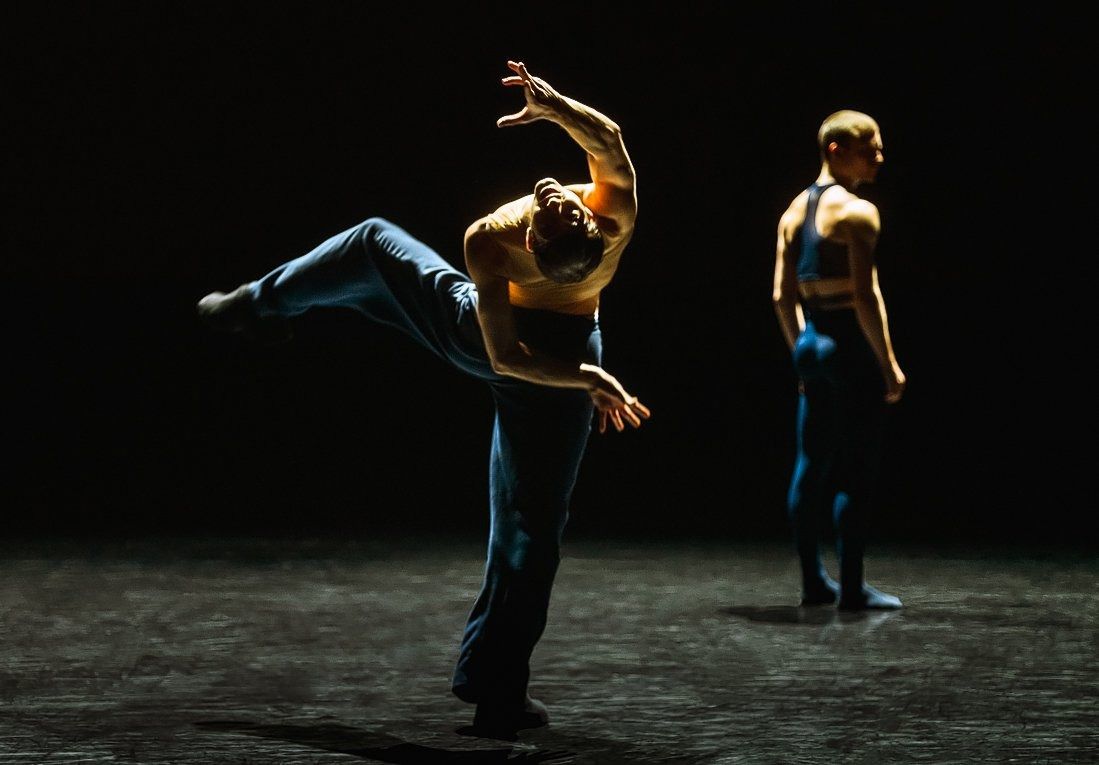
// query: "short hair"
[[843, 127], [570, 257]]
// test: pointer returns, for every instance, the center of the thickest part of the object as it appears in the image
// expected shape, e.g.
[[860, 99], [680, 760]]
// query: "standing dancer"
[[832, 316]]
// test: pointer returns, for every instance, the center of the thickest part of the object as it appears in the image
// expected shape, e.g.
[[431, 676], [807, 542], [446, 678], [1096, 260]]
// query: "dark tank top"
[[818, 257]]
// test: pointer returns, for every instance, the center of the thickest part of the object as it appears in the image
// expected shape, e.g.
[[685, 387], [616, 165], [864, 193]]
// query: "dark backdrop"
[[157, 151]]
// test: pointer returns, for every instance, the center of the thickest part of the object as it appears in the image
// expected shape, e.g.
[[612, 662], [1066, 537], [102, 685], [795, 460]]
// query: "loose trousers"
[[539, 436]]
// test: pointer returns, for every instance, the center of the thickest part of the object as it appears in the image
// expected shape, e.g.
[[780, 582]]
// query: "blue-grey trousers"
[[840, 428], [538, 439]]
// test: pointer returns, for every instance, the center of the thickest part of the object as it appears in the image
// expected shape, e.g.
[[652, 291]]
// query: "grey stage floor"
[[338, 652]]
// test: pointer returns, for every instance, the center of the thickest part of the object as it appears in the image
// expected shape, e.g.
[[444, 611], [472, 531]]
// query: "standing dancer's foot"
[[867, 599]]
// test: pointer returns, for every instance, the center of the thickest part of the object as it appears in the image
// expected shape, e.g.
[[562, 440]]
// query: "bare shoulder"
[[614, 206], [484, 253], [507, 223], [479, 229], [860, 216], [794, 216]]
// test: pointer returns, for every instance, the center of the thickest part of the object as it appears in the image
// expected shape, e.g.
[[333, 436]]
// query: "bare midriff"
[[828, 293], [585, 306]]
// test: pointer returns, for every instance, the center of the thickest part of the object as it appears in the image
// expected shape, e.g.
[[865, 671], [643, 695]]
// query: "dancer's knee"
[[373, 226], [849, 513], [528, 558]]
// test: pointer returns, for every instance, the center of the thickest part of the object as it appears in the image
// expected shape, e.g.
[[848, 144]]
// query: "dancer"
[[832, 315], [526, 321]]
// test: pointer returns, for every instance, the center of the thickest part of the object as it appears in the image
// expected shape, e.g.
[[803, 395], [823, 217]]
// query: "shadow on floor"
[[810, 616], [380, 746], [964, 614]]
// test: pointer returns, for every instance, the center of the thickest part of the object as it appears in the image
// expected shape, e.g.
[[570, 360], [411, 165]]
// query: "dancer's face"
[[865, 157], [556, 210]]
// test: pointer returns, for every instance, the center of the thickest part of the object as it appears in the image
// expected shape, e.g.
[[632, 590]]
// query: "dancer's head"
[[563, 234], [851, 146]]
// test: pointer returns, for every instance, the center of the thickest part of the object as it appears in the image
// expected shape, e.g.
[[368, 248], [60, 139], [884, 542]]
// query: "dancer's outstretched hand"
[[613, 403], [541, 98]]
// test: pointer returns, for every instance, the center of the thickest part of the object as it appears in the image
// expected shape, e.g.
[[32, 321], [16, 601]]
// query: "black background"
[[158, 151]]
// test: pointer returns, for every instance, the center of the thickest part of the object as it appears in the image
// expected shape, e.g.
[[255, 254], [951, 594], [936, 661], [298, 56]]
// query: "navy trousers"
[[540, 433], [840, 427]]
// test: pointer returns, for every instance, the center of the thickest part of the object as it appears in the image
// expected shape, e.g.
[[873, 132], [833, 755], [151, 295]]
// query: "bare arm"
[[612, 191], [486, 262], [785, 295], [862, 225], [611, 195]]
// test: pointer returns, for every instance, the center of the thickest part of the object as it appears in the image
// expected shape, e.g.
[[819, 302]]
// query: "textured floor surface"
[[339, 652]]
